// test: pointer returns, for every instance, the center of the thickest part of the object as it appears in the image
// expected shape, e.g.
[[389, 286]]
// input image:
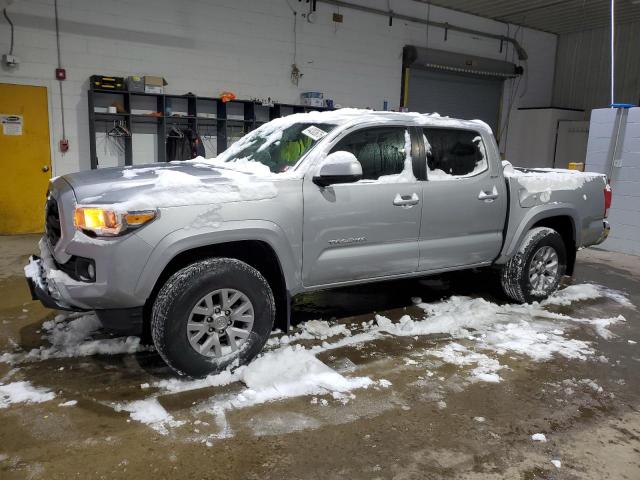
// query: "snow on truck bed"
[[540, 180]]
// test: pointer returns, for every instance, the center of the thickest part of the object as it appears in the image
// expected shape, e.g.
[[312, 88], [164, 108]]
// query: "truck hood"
[[166, 185]]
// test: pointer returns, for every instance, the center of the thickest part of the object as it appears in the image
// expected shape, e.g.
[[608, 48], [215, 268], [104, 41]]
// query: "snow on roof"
[[360, 115]]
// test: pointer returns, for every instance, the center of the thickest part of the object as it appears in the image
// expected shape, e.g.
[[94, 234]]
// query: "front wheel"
[[212, 314], [536, 269]]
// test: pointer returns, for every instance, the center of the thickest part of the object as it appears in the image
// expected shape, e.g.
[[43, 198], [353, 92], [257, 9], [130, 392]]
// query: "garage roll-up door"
[[454, 95], [453, 84]]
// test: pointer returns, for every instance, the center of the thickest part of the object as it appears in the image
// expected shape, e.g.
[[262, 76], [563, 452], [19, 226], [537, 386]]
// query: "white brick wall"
[[206, 46], [624, 214]]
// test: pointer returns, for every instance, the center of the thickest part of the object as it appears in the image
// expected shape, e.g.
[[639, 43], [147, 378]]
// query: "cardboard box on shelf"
[[154, 84]]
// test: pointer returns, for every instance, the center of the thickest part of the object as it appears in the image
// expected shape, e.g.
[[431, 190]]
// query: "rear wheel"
[[535, 271], [212, 314]]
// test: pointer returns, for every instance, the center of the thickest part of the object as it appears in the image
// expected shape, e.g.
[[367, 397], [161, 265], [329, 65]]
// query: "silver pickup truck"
[[207, 254]]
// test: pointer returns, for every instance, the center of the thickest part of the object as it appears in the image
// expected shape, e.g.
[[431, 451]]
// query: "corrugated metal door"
[[455, 95]]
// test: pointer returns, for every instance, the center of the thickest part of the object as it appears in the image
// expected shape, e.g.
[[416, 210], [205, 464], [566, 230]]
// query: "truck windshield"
[[278, 148]]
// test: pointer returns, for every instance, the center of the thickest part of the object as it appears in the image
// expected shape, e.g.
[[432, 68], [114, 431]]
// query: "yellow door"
[[25, 160]]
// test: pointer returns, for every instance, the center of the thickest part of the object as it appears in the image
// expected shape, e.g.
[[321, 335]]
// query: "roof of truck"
[[357, 115]]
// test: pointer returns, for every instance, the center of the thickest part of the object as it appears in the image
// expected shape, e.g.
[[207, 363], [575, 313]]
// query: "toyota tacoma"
[[206, 255]]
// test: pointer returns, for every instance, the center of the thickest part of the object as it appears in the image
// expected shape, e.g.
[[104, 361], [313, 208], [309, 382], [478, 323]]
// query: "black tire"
[[181, 293], [514, 277]]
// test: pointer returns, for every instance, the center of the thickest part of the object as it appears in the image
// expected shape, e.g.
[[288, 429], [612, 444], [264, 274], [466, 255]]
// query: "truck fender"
[[231, 231], [533, 215]]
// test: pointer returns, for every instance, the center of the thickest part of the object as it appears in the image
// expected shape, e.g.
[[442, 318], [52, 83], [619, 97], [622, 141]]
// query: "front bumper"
[[605, 232], [40, 288]]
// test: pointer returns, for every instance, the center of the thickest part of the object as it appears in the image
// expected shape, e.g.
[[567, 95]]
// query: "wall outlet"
[[10, 61]]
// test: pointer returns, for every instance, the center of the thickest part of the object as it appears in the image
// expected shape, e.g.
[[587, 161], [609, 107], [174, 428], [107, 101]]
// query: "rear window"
[[454, 153]]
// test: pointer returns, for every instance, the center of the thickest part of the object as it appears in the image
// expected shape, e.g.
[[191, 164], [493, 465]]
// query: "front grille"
[[52, 221]]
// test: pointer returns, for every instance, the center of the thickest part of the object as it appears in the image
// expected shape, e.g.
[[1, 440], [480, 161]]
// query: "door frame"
[[48, 84]]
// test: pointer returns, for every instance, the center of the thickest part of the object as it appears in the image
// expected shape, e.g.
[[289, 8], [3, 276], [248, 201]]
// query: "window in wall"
[[453, 153], [383, 152]]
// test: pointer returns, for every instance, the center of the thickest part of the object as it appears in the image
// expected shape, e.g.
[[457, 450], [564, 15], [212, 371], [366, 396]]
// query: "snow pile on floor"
[[150, 412], [281, 373], [70, 336], [537, 340], [528, 329], [176, 385], [585, 291], [311, 330], [23, 392], [292, 372], [486, 367]]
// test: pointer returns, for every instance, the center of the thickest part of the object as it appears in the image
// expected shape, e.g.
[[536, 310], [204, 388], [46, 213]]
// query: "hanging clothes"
[[185, 146]]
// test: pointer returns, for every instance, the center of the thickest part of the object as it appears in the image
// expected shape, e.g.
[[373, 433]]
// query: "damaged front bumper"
[[43, 290]]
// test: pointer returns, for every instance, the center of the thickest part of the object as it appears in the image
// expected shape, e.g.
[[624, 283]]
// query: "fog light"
[[91, 271]]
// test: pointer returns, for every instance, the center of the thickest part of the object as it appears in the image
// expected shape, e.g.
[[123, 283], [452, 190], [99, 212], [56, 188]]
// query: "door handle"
[[488, 196], [45, 168], [406, 201]]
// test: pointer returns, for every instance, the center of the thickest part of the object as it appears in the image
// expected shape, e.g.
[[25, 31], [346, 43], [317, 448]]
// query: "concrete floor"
[[422, 427]]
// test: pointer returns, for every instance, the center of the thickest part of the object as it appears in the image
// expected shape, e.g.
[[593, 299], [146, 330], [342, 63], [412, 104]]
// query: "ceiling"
[[555, 16]]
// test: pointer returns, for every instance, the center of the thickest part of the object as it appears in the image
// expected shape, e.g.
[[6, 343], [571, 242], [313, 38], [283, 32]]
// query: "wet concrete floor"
[[422, 427]]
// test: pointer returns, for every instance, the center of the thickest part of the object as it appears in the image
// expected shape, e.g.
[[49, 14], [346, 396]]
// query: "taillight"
[[607, 199]]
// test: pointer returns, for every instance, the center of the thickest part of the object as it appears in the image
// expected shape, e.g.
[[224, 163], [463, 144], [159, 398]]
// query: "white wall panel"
[[207, 46]]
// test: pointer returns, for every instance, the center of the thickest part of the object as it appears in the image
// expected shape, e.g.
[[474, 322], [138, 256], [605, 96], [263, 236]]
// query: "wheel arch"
[[257, 253], [564, 225], [563, 219], [266, 249]]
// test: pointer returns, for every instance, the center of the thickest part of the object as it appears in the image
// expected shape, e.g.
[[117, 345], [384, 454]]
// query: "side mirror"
[[339, 167]]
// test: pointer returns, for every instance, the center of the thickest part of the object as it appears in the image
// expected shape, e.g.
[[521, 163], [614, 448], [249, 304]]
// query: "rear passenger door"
[[464, 200], [369, 228]]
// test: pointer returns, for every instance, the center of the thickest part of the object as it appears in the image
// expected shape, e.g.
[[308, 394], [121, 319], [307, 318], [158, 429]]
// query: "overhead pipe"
[[522, 54]]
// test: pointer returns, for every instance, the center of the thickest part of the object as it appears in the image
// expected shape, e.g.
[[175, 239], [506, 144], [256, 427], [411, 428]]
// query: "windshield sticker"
[[314, 133]]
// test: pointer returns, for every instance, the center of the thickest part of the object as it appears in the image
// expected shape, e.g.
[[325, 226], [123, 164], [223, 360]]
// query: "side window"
[[382, 152], [453, 153]]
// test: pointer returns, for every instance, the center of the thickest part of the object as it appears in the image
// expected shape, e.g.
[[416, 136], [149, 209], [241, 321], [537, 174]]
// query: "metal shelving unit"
[[202, 114]]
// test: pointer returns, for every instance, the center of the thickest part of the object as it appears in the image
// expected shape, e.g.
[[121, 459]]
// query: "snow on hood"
[[173, 184]]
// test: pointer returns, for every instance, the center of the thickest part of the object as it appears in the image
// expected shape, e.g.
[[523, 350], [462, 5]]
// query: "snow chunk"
[[23, 392], [69, 403], [539, 437], [150, 412], [556, 463], [322, 329], [292, 372], [459, 355], [175, 385]]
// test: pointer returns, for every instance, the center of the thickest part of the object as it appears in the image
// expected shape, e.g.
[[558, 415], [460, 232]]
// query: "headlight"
[[108, 222]]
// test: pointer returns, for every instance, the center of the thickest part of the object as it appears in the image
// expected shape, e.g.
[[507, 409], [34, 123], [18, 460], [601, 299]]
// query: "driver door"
[[370, 228]]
